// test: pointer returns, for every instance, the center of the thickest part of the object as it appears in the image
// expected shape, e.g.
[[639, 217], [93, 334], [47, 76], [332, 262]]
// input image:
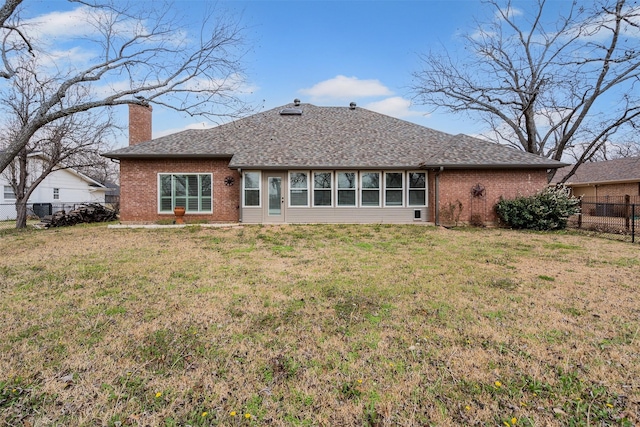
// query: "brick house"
[[301, 163], [611, 178]]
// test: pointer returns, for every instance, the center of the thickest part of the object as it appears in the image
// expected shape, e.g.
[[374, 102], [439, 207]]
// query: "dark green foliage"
[[547, 210]]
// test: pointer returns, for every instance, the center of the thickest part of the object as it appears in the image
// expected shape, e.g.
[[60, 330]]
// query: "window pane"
[[181, 201], [8, 193], [370, 180], [393, 197], [192, 204], [192, 185], [322, 197], [206, 204], [251, 180], [346, 197], [346, 180], [251, 197], [298, 180], [370, 198], [322, 180], [205, 182], [417, 180], [417, 198], [180, 186], [165, 204], [165, 185], [298, 198], [393, 180]]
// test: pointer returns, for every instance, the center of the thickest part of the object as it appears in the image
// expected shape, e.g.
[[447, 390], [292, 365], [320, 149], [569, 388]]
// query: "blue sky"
[[330, 53]]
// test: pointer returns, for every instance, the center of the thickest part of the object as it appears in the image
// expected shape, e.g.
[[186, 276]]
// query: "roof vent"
[[296, 102], [352, 106], [291, 112]]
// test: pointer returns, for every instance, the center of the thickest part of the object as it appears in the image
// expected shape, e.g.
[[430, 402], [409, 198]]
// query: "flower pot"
[[179, 211]]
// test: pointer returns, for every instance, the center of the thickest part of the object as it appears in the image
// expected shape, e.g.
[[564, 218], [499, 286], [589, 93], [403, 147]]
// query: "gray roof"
[[333, 137], [617, 170]]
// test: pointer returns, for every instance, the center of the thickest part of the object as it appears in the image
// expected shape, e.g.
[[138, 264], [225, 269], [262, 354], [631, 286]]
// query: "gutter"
[[437, 196]]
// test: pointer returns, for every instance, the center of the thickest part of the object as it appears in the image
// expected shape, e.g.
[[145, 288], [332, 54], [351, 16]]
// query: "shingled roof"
[[618, 170], [332, 137]]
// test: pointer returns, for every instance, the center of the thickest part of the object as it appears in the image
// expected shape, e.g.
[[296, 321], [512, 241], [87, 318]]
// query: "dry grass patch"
[[317, 325]]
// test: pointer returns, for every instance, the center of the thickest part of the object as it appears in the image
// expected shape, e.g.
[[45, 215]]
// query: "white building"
[[60, 190]]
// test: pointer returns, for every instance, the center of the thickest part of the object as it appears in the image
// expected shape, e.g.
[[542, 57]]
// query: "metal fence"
[[609, 214]]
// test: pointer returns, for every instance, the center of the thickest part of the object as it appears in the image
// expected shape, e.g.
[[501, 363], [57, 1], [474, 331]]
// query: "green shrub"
[[547, 210]]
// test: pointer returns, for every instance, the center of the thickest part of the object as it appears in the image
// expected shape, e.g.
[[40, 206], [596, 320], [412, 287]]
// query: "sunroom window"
[[251, 188], [298, 189], [322, 188], [346, 183], [417, 188], [393, 190], [370, 190], [193, 191]]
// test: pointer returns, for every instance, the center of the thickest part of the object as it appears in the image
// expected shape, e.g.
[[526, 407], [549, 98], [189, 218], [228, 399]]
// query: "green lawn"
[[317, 325]]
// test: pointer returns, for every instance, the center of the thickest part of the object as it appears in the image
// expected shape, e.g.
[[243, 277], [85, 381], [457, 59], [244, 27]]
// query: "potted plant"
[[179, 211]]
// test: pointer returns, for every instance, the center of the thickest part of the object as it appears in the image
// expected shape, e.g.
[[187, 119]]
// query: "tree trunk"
[[21, 213]]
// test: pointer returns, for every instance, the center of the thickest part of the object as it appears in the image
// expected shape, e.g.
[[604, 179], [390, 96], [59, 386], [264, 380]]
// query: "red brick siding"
[[140, 118], [139, 188], [456, 185]]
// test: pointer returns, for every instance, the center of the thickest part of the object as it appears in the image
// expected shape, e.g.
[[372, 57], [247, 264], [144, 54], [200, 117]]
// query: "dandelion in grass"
[[232, 413], [204, 414], [514, 420], [498, 384], [468, 408], [359, 381], [609, 405], [247, 416], [158, 395]]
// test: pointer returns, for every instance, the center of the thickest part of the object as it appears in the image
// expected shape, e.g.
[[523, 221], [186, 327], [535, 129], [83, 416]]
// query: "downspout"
[[241, 196], [437, 196]]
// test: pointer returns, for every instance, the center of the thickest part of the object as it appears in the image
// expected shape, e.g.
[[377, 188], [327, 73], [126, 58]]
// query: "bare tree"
[[74, 141], [139, 53], [549, 88]]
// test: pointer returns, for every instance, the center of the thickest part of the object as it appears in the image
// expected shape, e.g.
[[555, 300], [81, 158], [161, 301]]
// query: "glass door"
[[275, 198]]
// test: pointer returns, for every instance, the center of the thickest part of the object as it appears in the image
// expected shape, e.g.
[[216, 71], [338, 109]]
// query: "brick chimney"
[[139, 123]]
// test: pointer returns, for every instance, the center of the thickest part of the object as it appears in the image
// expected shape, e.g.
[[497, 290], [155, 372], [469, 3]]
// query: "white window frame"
[[173, 196], [8, 191], [426, 189], [330, 189], [56, 194], [362, 189], [356, 176], [401, 189], [291, 188], [244, 188]]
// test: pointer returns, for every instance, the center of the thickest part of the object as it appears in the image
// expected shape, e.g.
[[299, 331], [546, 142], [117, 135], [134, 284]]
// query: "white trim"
[[259, 189]]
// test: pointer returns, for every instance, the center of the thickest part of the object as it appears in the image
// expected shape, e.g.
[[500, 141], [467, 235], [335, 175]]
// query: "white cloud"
[[395, 106], [342, 87]]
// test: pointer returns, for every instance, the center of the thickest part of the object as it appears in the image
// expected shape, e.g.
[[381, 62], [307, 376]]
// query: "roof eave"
[[166, 156]]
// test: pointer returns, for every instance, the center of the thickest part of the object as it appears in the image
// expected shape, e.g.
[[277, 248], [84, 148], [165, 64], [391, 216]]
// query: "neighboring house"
[[618, 177], [301, 163], [59, 190]]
